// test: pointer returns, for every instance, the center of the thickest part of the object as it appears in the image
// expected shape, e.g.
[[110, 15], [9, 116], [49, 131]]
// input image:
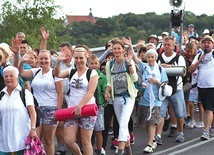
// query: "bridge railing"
[[99, 50]]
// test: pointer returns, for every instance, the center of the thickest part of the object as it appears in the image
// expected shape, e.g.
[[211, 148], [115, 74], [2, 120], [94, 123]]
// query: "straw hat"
[[5, 48]]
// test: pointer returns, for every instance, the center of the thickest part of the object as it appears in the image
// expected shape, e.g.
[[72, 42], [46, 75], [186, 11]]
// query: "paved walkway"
[[192, 144]]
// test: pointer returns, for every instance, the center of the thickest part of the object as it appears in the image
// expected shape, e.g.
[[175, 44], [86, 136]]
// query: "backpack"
[[172, 79], [36, 105], [101, 88], [88, 74], [138, 83]]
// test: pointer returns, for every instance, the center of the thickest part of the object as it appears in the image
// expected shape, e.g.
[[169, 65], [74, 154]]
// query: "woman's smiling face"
[[118, 50]]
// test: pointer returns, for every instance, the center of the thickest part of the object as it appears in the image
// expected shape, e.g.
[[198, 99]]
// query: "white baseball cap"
[[206, 31]]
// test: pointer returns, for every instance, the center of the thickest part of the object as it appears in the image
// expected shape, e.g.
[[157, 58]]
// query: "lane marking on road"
[[183, 144], [192, 146]]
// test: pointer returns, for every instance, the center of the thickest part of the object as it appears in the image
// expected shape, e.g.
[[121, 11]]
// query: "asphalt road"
[[192, 145]]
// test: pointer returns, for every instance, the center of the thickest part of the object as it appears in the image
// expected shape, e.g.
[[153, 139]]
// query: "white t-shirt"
[[14, 120], [78, 88], [44, 88], [205, 71]]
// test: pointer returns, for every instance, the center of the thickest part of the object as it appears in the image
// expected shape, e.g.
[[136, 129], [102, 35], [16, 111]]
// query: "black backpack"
[[172, 79], [88, 73], [36, 105]]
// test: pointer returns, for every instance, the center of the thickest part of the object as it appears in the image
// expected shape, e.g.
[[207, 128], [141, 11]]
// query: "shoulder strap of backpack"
[[160, 58], [88, 74], [127, 66], [1, 94], [37, 72], [160, 69], [34, 77], [111, 63], [40, 70], [73, 71], [22, 95], [175, 59], [53, 74]]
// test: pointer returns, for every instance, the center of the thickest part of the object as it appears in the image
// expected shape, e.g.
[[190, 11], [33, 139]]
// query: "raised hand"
[[127, 41], [25, 58], [15, 46], [130, 54], [44, 33], [129, 57], [63, 55]]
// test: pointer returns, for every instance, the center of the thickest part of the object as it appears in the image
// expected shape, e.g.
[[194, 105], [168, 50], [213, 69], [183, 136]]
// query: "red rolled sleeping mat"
[[68, 113]]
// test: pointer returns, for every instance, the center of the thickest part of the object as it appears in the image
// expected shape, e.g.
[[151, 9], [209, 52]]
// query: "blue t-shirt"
[[22, 80], [145, 101]]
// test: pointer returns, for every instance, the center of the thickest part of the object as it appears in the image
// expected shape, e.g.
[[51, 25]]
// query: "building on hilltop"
[[77, 18]]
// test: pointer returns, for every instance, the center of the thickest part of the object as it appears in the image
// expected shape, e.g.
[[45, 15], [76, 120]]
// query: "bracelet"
[[129, 65], [33, 128]]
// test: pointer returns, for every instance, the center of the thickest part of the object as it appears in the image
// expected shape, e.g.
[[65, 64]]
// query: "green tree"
[[28, 16]]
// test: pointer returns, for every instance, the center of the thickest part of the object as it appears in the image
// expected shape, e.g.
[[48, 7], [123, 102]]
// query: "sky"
[[109, 8]]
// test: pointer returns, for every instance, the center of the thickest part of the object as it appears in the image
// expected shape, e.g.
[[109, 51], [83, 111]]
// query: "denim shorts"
[[48, 114], [99, 125], [178, 104], [194, 98], [87, 123]]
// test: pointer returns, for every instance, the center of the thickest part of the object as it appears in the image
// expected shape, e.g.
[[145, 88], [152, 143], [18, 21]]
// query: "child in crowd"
[[93, 63], [109, 56]]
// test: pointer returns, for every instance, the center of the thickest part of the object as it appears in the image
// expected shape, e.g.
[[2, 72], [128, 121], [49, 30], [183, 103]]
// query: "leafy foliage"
[[28, 16]]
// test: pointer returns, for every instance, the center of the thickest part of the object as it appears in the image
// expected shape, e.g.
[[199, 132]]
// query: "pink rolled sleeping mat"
[[68, 113]]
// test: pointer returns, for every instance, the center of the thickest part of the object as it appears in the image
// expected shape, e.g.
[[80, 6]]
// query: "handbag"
[[33, 146]]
